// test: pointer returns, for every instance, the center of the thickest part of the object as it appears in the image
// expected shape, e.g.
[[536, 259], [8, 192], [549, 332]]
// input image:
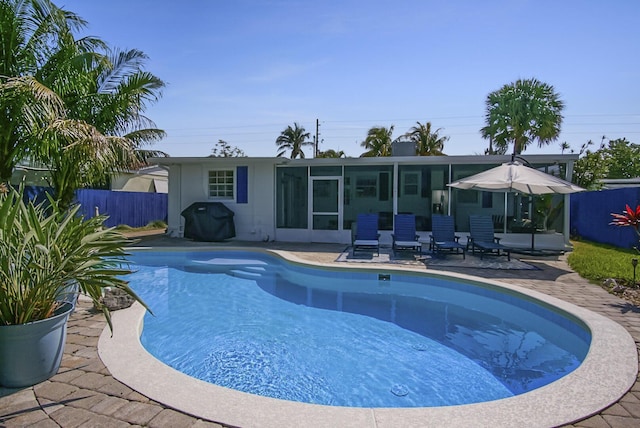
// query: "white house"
[[318, 200]]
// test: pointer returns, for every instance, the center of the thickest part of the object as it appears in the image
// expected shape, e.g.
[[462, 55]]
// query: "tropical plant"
[[378, 142], [427, 141], [31, 32], [522, 112], [104, 124], [45, 250], [629, 217], [293, 139], [547, 210], [73, 105]]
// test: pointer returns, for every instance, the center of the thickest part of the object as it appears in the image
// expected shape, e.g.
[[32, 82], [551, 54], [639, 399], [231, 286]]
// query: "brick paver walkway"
[[83, 393]]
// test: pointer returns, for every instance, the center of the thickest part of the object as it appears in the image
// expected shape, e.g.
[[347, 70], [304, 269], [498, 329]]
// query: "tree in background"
[[520, 113], [589, 170], [623, 159], [225, 150], [293, 139], [428, 142], [331, 154], [378, 142], [614, 159]]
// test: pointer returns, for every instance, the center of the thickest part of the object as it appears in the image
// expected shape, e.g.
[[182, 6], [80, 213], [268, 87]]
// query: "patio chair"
[[404, 233], [481, 237], [366, 236], [443, 235]]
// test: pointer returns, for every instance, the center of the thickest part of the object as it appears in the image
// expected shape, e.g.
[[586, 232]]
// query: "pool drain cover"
[[419, 346], [399, 390]]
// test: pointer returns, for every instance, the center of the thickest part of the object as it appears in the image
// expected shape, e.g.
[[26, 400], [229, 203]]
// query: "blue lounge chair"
[[443, 235], [367, 236], [481, 237], [404, 233]]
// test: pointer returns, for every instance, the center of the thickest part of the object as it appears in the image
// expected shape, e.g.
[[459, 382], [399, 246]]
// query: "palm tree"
[[65, 104], [564, 146], [31, 33], [378, 142], [105, 97], [293, 139], [428, 142], [522, 112]]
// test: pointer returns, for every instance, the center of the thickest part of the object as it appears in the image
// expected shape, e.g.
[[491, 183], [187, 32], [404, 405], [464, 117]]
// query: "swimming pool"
[[607, 372], [257, 324]]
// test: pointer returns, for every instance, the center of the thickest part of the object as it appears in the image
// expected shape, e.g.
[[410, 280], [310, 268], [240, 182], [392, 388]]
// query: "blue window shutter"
[[242, 184]]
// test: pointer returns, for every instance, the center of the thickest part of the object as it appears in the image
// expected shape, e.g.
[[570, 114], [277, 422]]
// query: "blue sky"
[[243, 70]]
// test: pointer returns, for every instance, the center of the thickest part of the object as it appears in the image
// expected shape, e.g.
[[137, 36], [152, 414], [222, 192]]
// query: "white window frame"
[[233, 185]]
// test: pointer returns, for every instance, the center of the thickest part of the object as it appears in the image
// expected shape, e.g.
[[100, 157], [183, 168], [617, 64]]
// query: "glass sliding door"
[[326, 212]]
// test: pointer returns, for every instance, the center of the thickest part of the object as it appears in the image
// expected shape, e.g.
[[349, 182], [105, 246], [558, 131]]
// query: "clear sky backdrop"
[[243, 70]]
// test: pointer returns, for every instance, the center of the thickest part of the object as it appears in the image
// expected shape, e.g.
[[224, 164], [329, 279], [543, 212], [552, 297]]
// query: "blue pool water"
[[257, 324]]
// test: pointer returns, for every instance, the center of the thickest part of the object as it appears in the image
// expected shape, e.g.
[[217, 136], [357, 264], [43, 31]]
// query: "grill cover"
[[208, 221]]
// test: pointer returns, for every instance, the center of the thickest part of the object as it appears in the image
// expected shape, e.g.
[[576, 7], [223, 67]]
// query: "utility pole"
[[317, 139]]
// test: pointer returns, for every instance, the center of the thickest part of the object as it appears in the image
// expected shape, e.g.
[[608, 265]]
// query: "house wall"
[[254, 220]]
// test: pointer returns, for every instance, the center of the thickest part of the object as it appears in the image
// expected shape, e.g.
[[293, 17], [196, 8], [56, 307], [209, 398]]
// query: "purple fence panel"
[[591, 215], [135, 209]]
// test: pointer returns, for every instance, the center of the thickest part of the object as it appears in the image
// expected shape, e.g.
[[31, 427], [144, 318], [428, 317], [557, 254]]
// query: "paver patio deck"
[[84, 394]]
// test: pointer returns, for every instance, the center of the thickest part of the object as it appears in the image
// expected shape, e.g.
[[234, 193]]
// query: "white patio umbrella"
[[514, 177]]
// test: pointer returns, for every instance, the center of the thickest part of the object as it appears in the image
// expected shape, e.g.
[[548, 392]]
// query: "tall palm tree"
[[71, 104], [378, 142], [31, 32], [522, 112], [428, 142], [293, 139]]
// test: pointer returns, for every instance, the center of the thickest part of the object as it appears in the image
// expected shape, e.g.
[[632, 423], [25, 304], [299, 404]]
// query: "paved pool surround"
[[607, 373]]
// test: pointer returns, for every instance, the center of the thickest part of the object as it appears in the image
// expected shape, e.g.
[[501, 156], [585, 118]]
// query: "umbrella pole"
[[533, 237]]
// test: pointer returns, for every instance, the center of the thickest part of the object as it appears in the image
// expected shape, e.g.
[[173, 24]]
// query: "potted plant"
[[47, 256]]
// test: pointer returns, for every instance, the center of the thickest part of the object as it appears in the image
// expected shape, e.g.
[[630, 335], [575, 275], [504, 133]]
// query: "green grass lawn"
[[598, 262]]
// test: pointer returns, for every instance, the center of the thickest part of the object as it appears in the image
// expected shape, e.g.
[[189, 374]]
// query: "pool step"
[[252, 272]]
